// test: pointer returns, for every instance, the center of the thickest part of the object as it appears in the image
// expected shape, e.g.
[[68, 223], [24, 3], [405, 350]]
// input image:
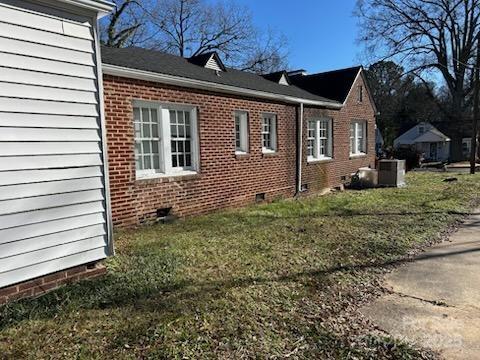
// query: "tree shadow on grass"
[[117, 290]]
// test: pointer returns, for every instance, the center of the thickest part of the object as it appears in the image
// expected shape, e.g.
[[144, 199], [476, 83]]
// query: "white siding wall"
[[52, 193]]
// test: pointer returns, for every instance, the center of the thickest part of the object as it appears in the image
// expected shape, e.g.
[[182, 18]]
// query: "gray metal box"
[[391, 173]]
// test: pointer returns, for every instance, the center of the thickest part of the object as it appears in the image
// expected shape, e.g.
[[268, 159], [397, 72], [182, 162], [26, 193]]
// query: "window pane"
[[138, 148], [155, 131], [146, 131], [187, 118], [156, 162], [181, 117], [147, 162], [145, 115], [136, 114], [154, 115], [188, 160], [173, 117], [155, 147], [138, 163], [173, 130], [146, 147]]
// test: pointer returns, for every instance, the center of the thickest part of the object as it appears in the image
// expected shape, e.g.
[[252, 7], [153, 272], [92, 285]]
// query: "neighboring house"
[[379, 142], [54, 209], [189, 136], [427, 140]]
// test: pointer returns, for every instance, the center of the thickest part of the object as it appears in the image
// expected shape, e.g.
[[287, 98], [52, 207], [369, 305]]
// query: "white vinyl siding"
[[269, 133], [319, 139], [166, 139], [358, 138], [241, 132], [53, 210]]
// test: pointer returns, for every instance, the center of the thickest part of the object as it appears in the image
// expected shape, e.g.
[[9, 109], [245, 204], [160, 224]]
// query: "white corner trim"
[[206, 85]]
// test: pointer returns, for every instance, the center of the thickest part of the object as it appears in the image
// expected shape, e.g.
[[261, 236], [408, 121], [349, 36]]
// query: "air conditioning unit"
[[391, 173]]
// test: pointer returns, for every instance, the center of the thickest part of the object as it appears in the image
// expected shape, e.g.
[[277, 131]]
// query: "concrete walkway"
[[435, 300]]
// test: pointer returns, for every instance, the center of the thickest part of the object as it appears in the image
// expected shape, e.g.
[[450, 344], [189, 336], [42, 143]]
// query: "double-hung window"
[[241, 132], [269, 133], [166, 140], [319, 139], [358, 138]]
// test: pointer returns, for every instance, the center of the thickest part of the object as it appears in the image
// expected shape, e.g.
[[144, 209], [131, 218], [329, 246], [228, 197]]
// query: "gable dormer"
[[280, 77], [209, 60]]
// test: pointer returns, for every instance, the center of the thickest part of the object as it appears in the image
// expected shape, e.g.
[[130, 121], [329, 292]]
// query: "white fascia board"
[[102, 7], [210, 86]]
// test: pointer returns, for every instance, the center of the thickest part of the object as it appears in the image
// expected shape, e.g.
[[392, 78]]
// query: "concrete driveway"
[[435, 300]]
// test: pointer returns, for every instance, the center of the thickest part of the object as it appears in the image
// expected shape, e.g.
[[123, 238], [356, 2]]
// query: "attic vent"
[[283, 80], [213, 64]]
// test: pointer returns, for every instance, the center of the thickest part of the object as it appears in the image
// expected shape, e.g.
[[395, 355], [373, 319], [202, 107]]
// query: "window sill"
[[357, 156], [321, 160], [180, 176], [242, 155], [268, 153]]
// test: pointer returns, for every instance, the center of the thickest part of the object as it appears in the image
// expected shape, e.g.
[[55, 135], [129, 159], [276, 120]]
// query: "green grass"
[[270, 281]]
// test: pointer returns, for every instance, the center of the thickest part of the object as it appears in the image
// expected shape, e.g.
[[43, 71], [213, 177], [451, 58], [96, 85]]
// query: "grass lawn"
[[270, 281]]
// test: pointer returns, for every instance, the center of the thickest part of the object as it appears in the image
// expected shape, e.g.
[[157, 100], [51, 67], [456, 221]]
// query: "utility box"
[[368, 177], [391, 173]]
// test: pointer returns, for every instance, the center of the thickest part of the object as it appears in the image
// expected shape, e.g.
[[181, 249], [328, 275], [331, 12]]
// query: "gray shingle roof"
[[332, 84], [161, 63]]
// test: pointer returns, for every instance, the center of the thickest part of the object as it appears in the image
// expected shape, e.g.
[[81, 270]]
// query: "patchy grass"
[[270, 281]]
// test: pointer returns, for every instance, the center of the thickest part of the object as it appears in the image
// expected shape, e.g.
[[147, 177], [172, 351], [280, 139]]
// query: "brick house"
[[189, 136]]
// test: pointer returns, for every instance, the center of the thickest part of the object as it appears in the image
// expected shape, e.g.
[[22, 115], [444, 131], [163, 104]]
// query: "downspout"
[[299, 149]]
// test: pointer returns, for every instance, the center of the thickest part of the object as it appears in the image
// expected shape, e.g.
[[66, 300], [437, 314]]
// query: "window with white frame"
[[166, 141], [319, 139], [269, 133], [241, 132], [358, 140]]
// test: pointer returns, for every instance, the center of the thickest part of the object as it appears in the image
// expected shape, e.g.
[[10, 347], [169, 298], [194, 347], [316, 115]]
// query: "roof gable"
[[209, 60], [280, 77], [422, 132], [335, 85]]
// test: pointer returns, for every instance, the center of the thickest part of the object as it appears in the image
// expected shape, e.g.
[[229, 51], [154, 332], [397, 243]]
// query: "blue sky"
[[321, 33]]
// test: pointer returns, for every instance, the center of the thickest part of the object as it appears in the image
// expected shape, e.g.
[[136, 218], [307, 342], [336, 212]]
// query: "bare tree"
[[193, 27], [425, 36], [124, 25]]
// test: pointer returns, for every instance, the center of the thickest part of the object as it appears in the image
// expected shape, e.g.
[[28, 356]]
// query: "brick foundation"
[[44, 284]]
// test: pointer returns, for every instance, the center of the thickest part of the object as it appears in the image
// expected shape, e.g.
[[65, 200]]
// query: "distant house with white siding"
[[427, 140]]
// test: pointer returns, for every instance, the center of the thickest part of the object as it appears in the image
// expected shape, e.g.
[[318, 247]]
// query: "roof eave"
[[102, 7], [115, 70]]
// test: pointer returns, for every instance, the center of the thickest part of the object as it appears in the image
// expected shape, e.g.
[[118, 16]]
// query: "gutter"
[[299, 149], [210, 86]]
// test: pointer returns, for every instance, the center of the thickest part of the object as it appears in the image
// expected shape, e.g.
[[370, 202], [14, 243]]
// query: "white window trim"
[[316, 147], [163, 111], [244, 132], [358, 124], [273, 134]]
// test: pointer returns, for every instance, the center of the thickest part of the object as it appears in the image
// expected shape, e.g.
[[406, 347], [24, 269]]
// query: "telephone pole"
[[473, 154]]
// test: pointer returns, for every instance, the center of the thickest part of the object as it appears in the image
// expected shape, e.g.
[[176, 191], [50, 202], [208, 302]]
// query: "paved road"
[[435, 300]]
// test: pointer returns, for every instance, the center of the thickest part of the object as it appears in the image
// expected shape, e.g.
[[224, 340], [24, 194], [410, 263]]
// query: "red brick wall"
[[327, 174], [225, 180], [45, 284]]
